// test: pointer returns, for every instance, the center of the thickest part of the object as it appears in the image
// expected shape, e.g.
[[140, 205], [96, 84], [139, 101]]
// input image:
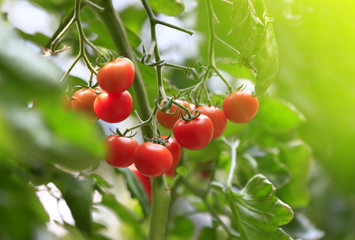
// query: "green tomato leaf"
[[78, 195], [136, 189], [301, 228], [168, 7], [297, 157], [128, 218], [46, 132], [267, 164], [278, 116], [256, 42], [182, 228], [19, 205], [258, 212]]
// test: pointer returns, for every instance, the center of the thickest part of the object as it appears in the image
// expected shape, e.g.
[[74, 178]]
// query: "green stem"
[[160, 209], [119, 37]]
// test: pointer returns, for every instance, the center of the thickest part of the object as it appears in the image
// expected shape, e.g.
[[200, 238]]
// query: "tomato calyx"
[[129, 134], [194, 114]]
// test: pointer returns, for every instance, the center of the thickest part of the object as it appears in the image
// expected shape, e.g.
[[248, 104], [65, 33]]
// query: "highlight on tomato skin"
[[240, 107], [119, 151], [152, 159], [144, 180], [194, 134], [113, 108], [82, 102], [116, 76], [217, 117]]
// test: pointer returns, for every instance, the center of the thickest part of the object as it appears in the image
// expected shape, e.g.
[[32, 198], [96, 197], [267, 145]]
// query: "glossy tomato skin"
[[113, 108], [116, 76], [194, 134], [144, 180], [217, 117], [240, 107], [175, 149], [83, 103], [168, 121], [120, 150], [152, 160]]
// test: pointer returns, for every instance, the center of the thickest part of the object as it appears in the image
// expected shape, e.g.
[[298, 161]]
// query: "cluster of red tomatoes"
[[238, 107], [112, 103]]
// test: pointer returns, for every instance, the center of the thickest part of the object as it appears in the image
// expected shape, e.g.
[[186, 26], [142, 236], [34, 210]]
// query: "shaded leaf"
[[256, 42], [136, 189], [78, 195], [267, 164], [20, 208], [278, 116], [127, 217], [182, 227], [258, 212], [297, 157], [301, 228]]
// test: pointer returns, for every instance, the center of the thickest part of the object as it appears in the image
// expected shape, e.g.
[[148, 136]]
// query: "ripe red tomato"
[[83, 103], [116, 76], [168, 121], [240, 107], [120, 150], [194, 134], [174, 147], [152, 159], [144, 180], [217, 117], [113, 108]]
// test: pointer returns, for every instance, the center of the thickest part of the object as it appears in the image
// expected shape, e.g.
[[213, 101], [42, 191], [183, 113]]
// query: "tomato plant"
[[217, 117], [120, 150], [152, 159], [113, 108], [240, 107], [194, 134], [251, 176], [83, 102], [168, 120], [116, 76]]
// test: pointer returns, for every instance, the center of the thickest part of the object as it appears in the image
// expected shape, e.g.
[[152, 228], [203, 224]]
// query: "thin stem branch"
[[174, 27], [62, 32]]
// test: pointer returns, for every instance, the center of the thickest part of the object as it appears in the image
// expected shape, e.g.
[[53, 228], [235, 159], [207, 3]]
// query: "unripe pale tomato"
[[240, 107], [152, 160], [83, 103], [120, 150], [217, 117], [113, 108], [168, 121], [194, 134], [116, 76]]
